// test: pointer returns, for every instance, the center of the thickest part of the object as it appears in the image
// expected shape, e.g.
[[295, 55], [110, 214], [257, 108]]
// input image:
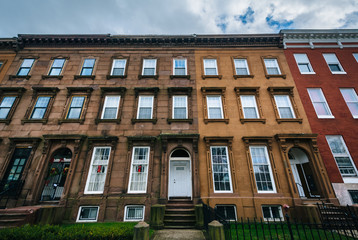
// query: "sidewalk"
[[179, 235]]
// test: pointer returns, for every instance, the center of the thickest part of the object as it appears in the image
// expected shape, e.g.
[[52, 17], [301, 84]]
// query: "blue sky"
[[173, 17]]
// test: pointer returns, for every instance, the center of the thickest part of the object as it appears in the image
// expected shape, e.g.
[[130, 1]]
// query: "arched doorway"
[[56, 176], [180, 182], [303, 173]]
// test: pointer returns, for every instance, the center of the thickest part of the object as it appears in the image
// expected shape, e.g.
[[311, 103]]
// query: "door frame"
[[190, 172]]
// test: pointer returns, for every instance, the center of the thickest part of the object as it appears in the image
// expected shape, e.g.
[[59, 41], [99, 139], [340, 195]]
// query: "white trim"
[[105, 103], [276, 65], [356, 101], [243, 107], [350, 179], [186, 66], [246, 65], [228, 205], [79, 211], [289, 103], [272, 219], [306, 61], [326, 55], [208, 107], [186, 106], [139, 106], [155, 65], [130, 174], [229, 169], [133, 220], [325, 103], [216, 66], [125, 65]]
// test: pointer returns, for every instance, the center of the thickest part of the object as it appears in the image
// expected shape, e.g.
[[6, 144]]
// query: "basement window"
[[87, 214], [272, 213], [226, 211], [134, 213], [354, 196]]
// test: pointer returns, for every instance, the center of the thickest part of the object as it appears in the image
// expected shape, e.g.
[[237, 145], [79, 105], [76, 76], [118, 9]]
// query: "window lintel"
[[154, 90], [247, 90], [213, 89]]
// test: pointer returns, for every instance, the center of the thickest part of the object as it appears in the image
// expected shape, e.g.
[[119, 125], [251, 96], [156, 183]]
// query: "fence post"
[[289, 225], [199, 216], [141, 231], [216, 231], [157, 216]]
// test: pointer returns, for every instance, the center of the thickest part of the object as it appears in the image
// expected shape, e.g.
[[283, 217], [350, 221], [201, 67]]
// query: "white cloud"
[[172, 16]]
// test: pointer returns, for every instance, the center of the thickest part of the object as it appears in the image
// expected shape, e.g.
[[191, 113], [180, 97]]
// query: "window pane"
[[319, 102], [351, 98], [241, 67], [4, 112], [55, 71], [272, 66], [149, 71], [27, 63], [77, 101], [304, 67], [272, 71], [134, 213], [180, 106], [89, 63], [110, 113], [149, 66], [334, 67], [42, 102], [221, 168], [58, 63], [74, 113], [86, 71], [140, 159], [210, 67], [145, 113], [7, 102], [23, 71], [38, 113], [262, 168], [241, 71], [118, 66], [118, 71], [99, 164], [284, 106], [88, 213], [179, 71], [112, 101]]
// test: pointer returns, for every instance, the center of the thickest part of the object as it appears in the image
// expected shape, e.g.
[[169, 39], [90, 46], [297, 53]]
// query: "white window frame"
[[243, 104], [330, 115], [216, 66], [186, 106], [91, 168], [276, 65], [23, 61], [269, 167], [131, 170], [133, 220], [346, 178], [79, 212], [305, 61], [355, 55], [144, 66], [105, 103], [354, 101], [336, 61], [186, 66], [208, 107], [124, 69], [271, 218], [290, 106], [139, 106], [228, 166], [246, 66], [228, 205]]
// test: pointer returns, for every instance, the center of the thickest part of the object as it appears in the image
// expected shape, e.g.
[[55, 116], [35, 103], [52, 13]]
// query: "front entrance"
[[303, 174], [180, 175]]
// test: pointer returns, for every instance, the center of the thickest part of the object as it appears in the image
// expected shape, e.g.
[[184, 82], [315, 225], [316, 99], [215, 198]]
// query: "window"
[[87, 67], [354, 196], [56, 67], [241, 67], [180, 107], [110, 107], [303, 63], [134, 213], [272, 213], [118, 67], [1, 64], [341, 155], [6, 105], [249, 106], [272, 67], [75, 109], [355, 55], [25, 67], [221, 169], [145, 107], [87, 214], [262, 169], [210, 67], [351, 98], [284, 106], [319, 103], [40, 107], [215, 110], [149, 67], [139, 170], [179, 67], [98, 170], [228, 212], [333, 63]]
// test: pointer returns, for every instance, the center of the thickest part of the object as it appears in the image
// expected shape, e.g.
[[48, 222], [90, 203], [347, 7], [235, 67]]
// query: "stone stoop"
[[14, 217], [179, 214]]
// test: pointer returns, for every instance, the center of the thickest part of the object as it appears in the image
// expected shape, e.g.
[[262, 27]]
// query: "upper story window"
[[249, 106], [179, 67], [319, 103], [333, 63], [110, 107], [180, 107], [1, 64], [145, 107], [149, 67], [76, 106], [303, 63], [284, 106], [210, 67], [241, 66], [40, 107], [272, 67], [6, 105], [221, 169], [111, 104], [118, 67], [355, 55], [56, 67], [351, 98], [87, 67], [215, 110], [214, 104], [139, 170], [9, 99], [25, 67]]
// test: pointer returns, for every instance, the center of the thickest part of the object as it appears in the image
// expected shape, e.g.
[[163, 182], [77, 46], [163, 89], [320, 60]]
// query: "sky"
[[132, 17]]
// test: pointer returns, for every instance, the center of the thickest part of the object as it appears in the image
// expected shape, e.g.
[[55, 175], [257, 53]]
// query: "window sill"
[[84, 77], [6, 121], [180, 76], [148, 76], [248, 120], [325, 117], [338, 72], [212, 76], [43, 121], [268, 76], [81, 121], [308, 73], [27, 77], [49, 77], [225, 120], [353, 179], [172, 120], [243, 76], [134, 120], [280, 120], [115, 76], [107, 121]]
